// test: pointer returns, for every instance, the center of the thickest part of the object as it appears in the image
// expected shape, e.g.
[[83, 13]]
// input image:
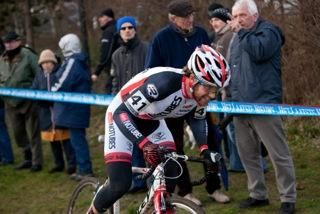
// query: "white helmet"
[[209, 67]]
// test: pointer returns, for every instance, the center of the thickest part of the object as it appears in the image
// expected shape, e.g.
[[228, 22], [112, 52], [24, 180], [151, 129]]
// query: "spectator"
[[18, 66], [256, 77], [74, 76], [57, 136], [211, 8], [218, 19], [127, 61], [182, 35], [108, 44], [6, 154]]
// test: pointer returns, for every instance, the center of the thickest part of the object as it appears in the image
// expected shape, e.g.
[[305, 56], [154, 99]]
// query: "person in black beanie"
[[108, 44], [218, 19], [211, 8]]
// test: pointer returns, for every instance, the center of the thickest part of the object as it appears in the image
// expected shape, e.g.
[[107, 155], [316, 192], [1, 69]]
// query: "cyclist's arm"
[[198, 124]]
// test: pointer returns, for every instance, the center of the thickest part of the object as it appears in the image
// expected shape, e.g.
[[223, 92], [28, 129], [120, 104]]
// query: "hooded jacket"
[[255, 61], [72, 76]]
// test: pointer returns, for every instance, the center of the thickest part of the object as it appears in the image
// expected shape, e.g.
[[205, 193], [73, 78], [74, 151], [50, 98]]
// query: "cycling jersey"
[[135, 116]]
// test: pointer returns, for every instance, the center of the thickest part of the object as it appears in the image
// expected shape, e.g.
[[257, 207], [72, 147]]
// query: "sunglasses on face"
[[128, 27]]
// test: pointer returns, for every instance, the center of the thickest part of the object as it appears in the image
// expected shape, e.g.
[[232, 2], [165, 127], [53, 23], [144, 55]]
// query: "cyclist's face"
[[203, 94]]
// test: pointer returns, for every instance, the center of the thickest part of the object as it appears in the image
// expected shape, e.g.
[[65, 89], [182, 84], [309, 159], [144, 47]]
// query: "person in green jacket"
[[18, 66]]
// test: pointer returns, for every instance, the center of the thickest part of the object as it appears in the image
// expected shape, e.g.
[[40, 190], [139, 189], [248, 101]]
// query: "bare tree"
[[28, 22]]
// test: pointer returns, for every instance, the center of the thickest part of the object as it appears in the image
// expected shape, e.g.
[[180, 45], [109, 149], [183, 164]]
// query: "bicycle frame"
[[157, 192]]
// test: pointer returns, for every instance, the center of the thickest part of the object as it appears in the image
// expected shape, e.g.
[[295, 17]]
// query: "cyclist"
[[149, 98]]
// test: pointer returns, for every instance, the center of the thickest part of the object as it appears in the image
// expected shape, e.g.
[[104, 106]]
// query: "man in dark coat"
[[18, 67], [108, 44]]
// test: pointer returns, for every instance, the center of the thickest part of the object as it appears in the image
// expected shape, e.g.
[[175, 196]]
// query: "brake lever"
[[215, 157]]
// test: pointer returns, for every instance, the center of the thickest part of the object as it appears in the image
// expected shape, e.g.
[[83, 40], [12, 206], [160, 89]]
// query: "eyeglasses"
[[128, 27]]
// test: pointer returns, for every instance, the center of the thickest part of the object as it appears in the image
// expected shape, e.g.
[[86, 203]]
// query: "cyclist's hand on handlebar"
[[151, 153]]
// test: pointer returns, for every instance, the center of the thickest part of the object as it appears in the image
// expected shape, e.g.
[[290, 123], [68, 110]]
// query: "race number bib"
[[200, 112], [137, 102]]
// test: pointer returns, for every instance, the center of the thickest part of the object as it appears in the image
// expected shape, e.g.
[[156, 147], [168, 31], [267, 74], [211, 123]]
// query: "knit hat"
[[11, 36], [220, 13], [181, 8], [107, 12], [47, 56], [125, 19], [214, 6]]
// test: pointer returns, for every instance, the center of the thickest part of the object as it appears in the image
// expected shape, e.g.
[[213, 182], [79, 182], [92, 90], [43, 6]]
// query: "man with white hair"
[[255, 61]]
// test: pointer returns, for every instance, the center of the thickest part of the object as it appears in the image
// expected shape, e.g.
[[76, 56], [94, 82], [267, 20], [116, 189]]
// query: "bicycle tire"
[[182, 206], [82, 195]]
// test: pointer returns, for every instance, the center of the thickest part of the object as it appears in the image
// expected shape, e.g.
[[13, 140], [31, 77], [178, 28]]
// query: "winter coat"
[[172, 48], [222, 41], [44, 82], [255, 62], [108, 44], [19, 73], [72, 76], [127, 61]]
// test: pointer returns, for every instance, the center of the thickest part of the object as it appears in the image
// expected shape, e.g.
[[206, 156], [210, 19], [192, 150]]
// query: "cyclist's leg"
[[119, 182], [118, 158]]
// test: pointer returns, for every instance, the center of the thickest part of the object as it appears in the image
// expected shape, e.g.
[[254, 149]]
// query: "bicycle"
[[156, 200]]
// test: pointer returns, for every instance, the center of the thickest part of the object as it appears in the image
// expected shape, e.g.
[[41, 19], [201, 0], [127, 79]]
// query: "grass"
[[27, 193]]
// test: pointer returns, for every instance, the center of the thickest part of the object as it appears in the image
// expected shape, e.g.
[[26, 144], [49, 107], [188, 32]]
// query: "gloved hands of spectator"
[[209, 165], [151, 153]]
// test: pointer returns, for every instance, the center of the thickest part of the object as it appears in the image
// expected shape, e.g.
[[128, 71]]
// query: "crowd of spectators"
[[251, 45]]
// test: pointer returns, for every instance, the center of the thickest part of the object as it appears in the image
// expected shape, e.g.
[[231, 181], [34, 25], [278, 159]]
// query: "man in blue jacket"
[[255, 62]]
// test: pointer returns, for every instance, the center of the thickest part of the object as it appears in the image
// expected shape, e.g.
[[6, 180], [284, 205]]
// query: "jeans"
[[6, 154], [138, 161], [80, 145], [234, 159]]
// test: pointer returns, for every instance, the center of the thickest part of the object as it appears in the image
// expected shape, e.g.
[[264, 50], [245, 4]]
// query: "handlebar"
[[215, 158]]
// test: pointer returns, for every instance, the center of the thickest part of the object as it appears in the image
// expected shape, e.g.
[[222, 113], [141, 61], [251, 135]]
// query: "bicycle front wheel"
[[82, 196], [181, 206]]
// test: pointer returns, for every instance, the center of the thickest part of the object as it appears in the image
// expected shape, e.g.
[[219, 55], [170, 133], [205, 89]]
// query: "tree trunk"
[[28, 23], [83, 28]]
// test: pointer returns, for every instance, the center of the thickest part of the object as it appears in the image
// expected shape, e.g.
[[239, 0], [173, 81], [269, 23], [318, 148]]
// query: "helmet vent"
[[217, 63], [208, 60]]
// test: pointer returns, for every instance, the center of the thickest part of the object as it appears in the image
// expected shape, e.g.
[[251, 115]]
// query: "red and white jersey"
[[136, 115], [158, 93]]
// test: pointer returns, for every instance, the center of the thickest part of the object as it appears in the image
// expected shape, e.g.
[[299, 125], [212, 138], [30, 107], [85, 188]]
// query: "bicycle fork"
[[157, 195]]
